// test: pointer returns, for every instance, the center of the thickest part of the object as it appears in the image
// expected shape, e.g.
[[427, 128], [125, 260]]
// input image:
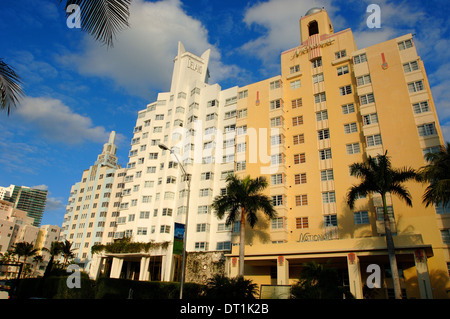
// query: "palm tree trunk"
[[391, 251], [242, 244]]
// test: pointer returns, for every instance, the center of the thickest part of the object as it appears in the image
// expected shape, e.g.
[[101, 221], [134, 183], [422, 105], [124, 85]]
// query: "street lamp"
[[183, 266]]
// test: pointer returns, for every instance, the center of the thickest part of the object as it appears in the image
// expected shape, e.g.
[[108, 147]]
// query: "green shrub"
[[108, 288]]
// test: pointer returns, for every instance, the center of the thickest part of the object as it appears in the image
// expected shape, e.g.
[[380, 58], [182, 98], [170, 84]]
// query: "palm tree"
[[10, 87], [55, 250], [102, 19], [379, 177], [24, 249], [437, 174], [243, 198], [67, 251], [37, 260]]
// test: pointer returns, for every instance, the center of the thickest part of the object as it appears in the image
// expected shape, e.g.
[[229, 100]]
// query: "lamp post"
[[188, 178]]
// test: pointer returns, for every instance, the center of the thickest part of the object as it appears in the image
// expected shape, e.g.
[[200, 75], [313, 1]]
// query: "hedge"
[[55, 287], [108, 288]]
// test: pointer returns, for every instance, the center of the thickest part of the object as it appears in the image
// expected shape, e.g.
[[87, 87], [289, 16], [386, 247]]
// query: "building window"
[[323, 134], [277, 200], [325, 154], [142, 231], [340, 54], [165, 229], [441, 210], [301, 200], [276, 121], [294, 69], [405, 44], [427, 129], [367, 98], [301, 222], [242, 113], [380, 213], [316, 63], [370, 119], [201, 245], [317, 78], [276, 159], [300, 178], [360, 58], [299, 139], [328, 197], [361, 218], [276, 139], [326, 175], [275, 84], [445, 234], [298, 120], [353, 148], [365, 79], [342, 70], [205, 192], [330, 220], [224, 245], [348, 108], [322, 115], [299, 158], [276, 179], [297, 103], [373, 140], [415, 86], [345, 90], [421, 107], [350, 128], [276, 104], [277, 223], [243, 94], [240, 166], [320, 97], [410, 66], [295, 84]]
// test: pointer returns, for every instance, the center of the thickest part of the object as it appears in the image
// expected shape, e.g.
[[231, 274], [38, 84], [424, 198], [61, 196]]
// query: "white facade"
[[190, 120]]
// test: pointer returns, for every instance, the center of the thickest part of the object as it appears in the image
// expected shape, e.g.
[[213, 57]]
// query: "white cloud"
[[141, 60], [57, 122], [280, 21], [42, 187]]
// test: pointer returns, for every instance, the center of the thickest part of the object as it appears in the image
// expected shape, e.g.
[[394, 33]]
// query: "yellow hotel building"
[[332, 106]]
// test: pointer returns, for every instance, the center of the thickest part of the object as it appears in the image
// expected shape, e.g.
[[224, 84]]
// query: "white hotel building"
[[155, 189]]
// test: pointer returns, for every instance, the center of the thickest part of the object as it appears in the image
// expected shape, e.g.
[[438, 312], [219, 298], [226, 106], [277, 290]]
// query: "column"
[[116, 267], [423, 277], [234, 269], [97, 264], [354, 275], [144, 274], [282, 271]]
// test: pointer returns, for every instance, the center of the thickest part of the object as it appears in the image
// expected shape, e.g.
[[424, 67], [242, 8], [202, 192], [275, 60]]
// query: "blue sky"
[[77, 91]]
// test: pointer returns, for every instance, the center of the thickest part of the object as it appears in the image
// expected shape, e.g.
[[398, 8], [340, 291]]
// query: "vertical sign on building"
[[178, 238]]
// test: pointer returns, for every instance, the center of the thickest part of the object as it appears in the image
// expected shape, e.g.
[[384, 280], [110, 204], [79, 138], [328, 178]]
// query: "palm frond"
[[401, 192], [10, 87], [103, 19]]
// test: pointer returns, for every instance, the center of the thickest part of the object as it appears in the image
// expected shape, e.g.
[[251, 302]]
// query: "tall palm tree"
[[37, 260], [10, 87], [24, 249], [55, 250], [437, 174], [378, 176], [67, 251], [243, 199]]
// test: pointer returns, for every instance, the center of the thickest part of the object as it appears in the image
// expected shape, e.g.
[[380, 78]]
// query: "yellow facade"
[[332, 106]]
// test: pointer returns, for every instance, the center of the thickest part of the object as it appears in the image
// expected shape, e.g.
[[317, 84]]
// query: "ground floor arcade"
[[358, 261]]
